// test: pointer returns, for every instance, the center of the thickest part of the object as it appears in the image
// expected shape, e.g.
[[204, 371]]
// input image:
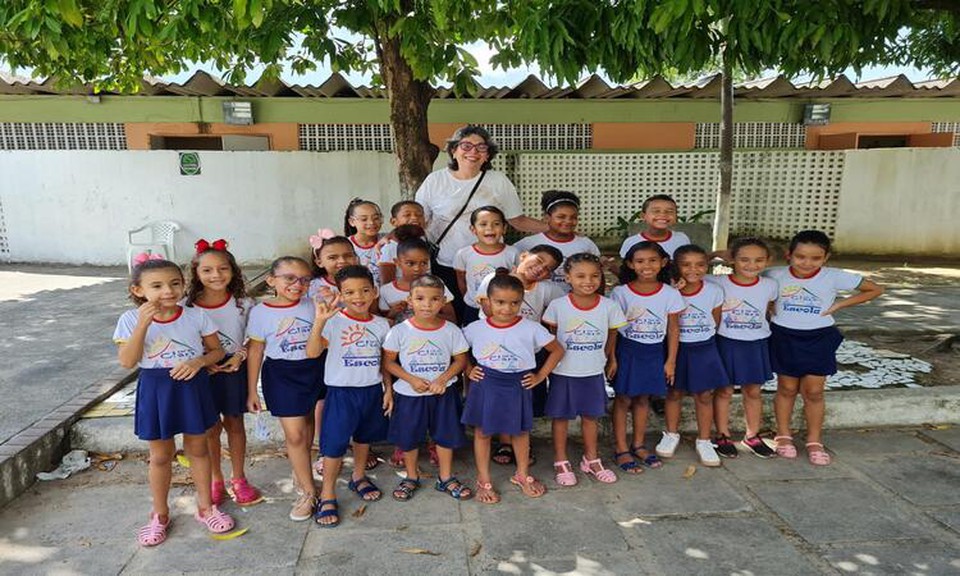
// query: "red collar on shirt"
[[291, 305], [594, 305], [799, 277], [424, 328], [734, 280], [220, 305], [547, 235], [639, 293], [359, 245], [645, 237], [173, 319], [481, 252], [510, 325], [347, 314], [699, 290]]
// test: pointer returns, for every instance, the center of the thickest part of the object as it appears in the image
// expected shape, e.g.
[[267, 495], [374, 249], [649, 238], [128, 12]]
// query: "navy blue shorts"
[[640, 369], [746, 361], [699, 368], [292, 387], [499, 404], [572, 396], [352, 413], [230, 391], [799, 353], [414, 416], [166, 407]]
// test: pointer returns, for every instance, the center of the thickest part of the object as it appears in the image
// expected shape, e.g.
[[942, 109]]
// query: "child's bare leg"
[[560, 427], [445, 455], [214, 449], [703, 408], [588, 427], [296, 435], [783, 402], [521, 447], [410, 464], [752, 408], [671, 410], [195, 447], [621, 405], [641, 411], [318, 420], [236, 443], [811, 387], [159, 473], [481, 452], [721, 409]]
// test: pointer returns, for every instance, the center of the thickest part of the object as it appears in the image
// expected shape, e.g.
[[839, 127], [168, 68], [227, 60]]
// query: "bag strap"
[[462, 208]]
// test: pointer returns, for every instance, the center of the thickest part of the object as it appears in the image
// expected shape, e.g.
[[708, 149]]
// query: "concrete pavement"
[[888, 505]]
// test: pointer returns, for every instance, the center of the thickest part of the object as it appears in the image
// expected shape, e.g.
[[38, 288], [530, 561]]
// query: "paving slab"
[[749, 468], [925, 480], [720, 546], [947, 515], [583, 564], [865, 443], [920, 558], [839, 510], [947, 436]]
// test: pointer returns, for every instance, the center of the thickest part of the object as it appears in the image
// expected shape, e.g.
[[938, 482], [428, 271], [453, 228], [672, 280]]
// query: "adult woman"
[[444, 193]]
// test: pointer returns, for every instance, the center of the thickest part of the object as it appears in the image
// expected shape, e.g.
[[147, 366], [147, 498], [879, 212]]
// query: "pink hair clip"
[[144, 256], [316, 240]]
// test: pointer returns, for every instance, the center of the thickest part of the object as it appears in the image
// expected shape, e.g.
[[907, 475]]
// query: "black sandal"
[[406, 489], [505, 454]]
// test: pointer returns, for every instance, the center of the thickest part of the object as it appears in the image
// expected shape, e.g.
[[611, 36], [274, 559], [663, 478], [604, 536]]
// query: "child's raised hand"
[[611, 368], [475, 374], [326, 293], [146, 312], [325, 310], [532, 379], [186, 370]]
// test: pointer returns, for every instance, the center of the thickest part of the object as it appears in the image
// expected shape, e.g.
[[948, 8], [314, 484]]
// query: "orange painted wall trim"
[[644, 135], [282, 135], [932, 140], [846, 141], [872, 128]]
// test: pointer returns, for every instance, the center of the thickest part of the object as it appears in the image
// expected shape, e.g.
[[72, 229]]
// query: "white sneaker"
[[708, 456], [667, 446]]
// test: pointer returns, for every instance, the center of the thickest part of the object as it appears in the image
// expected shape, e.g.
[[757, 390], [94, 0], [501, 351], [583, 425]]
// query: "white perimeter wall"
[[77, 206], [900, 201]]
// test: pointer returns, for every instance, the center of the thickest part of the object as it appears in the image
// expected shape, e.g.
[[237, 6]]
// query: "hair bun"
[[408, 232]]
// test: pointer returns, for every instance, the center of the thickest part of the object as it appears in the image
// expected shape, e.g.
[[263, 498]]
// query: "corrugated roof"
[[593, 87]]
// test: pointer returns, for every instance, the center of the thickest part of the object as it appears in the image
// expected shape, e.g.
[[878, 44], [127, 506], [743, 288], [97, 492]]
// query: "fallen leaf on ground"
[[360, 511], [230, 535], [690, 471], [420, 551], [476, 549]]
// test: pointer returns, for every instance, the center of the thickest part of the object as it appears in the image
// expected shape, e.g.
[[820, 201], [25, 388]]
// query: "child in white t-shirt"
[[412, 262], [403, 213], [804, 339], [362, 223], [659, 213], [475, 262], [561, 211]]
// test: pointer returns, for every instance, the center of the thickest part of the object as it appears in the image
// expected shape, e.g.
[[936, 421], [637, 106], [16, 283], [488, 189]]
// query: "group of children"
[[362, 346]]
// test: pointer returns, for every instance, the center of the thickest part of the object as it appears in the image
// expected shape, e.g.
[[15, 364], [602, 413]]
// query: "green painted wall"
[[34, 108]]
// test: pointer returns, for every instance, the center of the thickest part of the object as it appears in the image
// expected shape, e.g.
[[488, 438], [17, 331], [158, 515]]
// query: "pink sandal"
[[787, 450], [154, 533], [565, 477], [217, 522], [817, 455], [530, 486], [602, 474]]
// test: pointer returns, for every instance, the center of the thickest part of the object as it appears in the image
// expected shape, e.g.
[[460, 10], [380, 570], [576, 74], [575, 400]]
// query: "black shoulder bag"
[[435, 246]]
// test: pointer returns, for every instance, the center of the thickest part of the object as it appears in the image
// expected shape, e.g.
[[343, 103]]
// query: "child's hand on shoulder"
[[186, 370], [146, 312], [325, 310]]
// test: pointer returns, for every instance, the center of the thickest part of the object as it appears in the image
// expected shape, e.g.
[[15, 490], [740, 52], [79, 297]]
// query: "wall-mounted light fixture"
[[237, 112], [816, 114]]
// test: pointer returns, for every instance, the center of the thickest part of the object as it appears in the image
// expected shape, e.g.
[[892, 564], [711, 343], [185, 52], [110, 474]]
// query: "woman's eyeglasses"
[[470, 146], [294, 279]]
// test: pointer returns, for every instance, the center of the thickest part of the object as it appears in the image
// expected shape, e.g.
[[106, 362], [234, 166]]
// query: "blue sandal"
[[407, 488], [631, 467], [365, 486], [454, 488], [651, 460], [320, 513]]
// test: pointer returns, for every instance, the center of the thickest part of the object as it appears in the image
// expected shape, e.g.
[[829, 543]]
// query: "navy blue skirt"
[[499, 404], [572, 396], [230, 391], [167, 407], [414, 416], [640, 369], [797, 353], [292, 387], [699, 367], [352, 413], [746, 361]]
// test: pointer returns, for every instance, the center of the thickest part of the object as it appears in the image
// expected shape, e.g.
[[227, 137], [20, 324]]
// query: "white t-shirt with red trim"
[[647, 312], [669, 244], [696, 321], [284, 330], [391, 293], [424, 352], [568, 248], [231, 321], [170, 342], [388, 254], [744, 314], [583, 333], [368, 256], [510, 348], [354, 348], [802, 301], [477, 265]]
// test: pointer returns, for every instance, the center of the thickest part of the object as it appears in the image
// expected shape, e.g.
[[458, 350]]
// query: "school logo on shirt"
[[741, 315], [361, 347], [644, 324], [499, 357], [292, 333], [694, 320], [426, 357], [582, 336], [479, 272], [226, 342], [165, 350], [800, 300]]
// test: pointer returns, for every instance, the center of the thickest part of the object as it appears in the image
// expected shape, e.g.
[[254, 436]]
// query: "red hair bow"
[[203, 245]]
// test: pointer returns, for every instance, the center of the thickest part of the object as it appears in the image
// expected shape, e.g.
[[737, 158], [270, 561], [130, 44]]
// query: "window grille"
[[62, 136], [948, 127], [753, 135]]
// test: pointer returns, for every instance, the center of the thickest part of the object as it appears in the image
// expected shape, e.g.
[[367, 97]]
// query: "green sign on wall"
[[189, 163]]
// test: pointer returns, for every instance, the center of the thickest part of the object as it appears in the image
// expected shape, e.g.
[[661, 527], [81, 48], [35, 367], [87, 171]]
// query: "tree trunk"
[[409, 99], [721, 218]]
